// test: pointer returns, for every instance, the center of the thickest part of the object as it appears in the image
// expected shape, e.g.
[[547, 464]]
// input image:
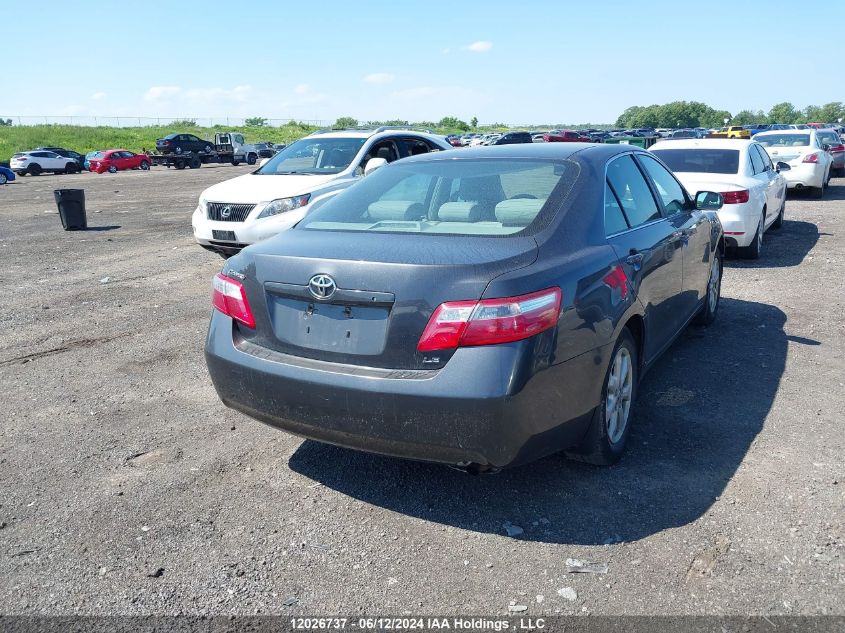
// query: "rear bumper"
[[487, 406], [739, 222], [804, 175]]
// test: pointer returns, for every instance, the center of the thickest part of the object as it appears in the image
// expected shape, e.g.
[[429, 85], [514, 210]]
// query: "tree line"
[[697, 114]]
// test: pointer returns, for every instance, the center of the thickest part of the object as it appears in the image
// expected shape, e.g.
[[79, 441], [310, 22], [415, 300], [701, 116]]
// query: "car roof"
[[365, 134], [703, 143], [590, 152], [782, 132]]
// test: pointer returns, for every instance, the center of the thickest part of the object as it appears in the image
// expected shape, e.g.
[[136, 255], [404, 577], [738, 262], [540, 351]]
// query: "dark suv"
[[511, 138], [182, 144]]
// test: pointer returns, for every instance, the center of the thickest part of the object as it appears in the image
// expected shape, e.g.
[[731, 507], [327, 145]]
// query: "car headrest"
[[518, 211], [383, 152], [459, 212], [395, 210]]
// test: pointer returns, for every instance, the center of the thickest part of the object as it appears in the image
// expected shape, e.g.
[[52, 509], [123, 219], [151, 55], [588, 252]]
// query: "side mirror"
[[782, 166], [373, 164], [263, 162], [708, 201]]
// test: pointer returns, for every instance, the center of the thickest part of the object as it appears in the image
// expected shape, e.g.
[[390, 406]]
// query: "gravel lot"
[[126, 487]]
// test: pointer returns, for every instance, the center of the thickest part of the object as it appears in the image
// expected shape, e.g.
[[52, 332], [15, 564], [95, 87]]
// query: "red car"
[[115, 160], [565, 136]]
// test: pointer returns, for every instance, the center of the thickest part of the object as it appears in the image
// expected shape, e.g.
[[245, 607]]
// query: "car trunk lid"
[[380, 291]]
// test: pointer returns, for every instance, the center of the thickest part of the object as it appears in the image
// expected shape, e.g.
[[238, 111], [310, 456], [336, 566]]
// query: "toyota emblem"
[[322, 286], [226, 212]]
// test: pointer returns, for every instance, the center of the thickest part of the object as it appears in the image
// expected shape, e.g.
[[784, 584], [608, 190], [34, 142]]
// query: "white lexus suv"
[[258, 205]]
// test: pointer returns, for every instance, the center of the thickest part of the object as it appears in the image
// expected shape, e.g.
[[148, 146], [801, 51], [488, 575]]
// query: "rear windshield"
[[708, 161], [484, 197], [783, 140], [829, 137]]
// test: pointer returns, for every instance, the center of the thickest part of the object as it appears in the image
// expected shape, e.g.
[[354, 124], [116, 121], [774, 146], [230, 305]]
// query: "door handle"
[[635, 260]]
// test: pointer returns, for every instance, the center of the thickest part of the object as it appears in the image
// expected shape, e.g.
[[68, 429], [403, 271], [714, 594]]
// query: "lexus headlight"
[[203, 206], [283, 205]]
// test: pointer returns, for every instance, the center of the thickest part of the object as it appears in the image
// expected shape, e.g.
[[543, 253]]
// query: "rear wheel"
[[753, 250], [610, 427], [714, 292], [34, 169], [236, 163], [71, 168], [779, 220], [207, 149], [3, 179], [179, 164], [250, 159], [195, 162]]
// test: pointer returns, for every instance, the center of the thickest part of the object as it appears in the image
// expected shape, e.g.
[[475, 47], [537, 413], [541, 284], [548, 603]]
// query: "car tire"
[[250, 159], [145, 165], [195, 162], [71, 168], [112, 169], [755, 249], [34, 169], [605, 440], [3, 179], [713, 298], [178, 150], [179, 164], [236, 163], [779, 220], [207, 149]]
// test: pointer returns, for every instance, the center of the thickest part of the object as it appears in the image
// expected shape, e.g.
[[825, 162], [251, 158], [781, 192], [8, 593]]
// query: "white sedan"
[[753, 189], [809, 159]]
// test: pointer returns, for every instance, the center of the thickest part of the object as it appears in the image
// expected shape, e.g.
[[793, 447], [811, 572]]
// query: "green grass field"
[[86, 139]]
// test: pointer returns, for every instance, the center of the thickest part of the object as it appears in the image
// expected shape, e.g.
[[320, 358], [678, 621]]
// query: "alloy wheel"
[[714, 285], [620, 388]]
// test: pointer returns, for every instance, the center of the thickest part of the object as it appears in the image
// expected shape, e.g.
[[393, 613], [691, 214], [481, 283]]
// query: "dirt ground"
[[126, 487]]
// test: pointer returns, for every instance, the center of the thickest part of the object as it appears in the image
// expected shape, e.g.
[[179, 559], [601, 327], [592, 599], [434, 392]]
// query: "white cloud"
[[379, 78], [302, 89], [445, 51], [481, 46], [159, 93], [98, 95]]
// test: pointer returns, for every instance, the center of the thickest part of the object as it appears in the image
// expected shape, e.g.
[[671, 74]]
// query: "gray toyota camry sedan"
[[480, 308]]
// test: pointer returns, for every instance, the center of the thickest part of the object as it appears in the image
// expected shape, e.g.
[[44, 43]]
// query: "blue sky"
[[513, 62]]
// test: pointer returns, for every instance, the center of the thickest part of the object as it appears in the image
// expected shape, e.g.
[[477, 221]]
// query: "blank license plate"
[[228, 236]]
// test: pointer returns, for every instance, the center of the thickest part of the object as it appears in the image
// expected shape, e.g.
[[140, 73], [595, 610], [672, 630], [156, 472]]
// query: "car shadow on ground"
[[782, 248], [699, 410], [110, 227]]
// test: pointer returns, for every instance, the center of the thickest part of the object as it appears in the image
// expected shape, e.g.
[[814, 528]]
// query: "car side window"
[[670, 190], [632, 191], [764, 156], [756, 161], [614, 219]]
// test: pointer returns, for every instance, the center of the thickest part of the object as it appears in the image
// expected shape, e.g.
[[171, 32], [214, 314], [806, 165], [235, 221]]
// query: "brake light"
[[229, 297], [490, 321], [735, 197], [811, 158]]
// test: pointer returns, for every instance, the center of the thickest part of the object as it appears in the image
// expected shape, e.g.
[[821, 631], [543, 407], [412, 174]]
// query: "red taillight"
[[735, 197], [811, 158], [490, 321], [837, 148], [229, 297]]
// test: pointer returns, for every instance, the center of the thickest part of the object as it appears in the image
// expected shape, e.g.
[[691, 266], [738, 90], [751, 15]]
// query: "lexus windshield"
[[314, 156]]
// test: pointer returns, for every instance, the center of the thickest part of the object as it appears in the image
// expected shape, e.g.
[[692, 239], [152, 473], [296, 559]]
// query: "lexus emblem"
[[322, 286], [226, 213]]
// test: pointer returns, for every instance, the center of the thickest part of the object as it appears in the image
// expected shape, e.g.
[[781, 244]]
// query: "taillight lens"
[[490, 321], [229, 297], [811, 158], [735, 197]]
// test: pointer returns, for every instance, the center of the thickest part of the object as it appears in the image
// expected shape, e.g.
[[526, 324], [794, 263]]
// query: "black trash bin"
[[71, 203]]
